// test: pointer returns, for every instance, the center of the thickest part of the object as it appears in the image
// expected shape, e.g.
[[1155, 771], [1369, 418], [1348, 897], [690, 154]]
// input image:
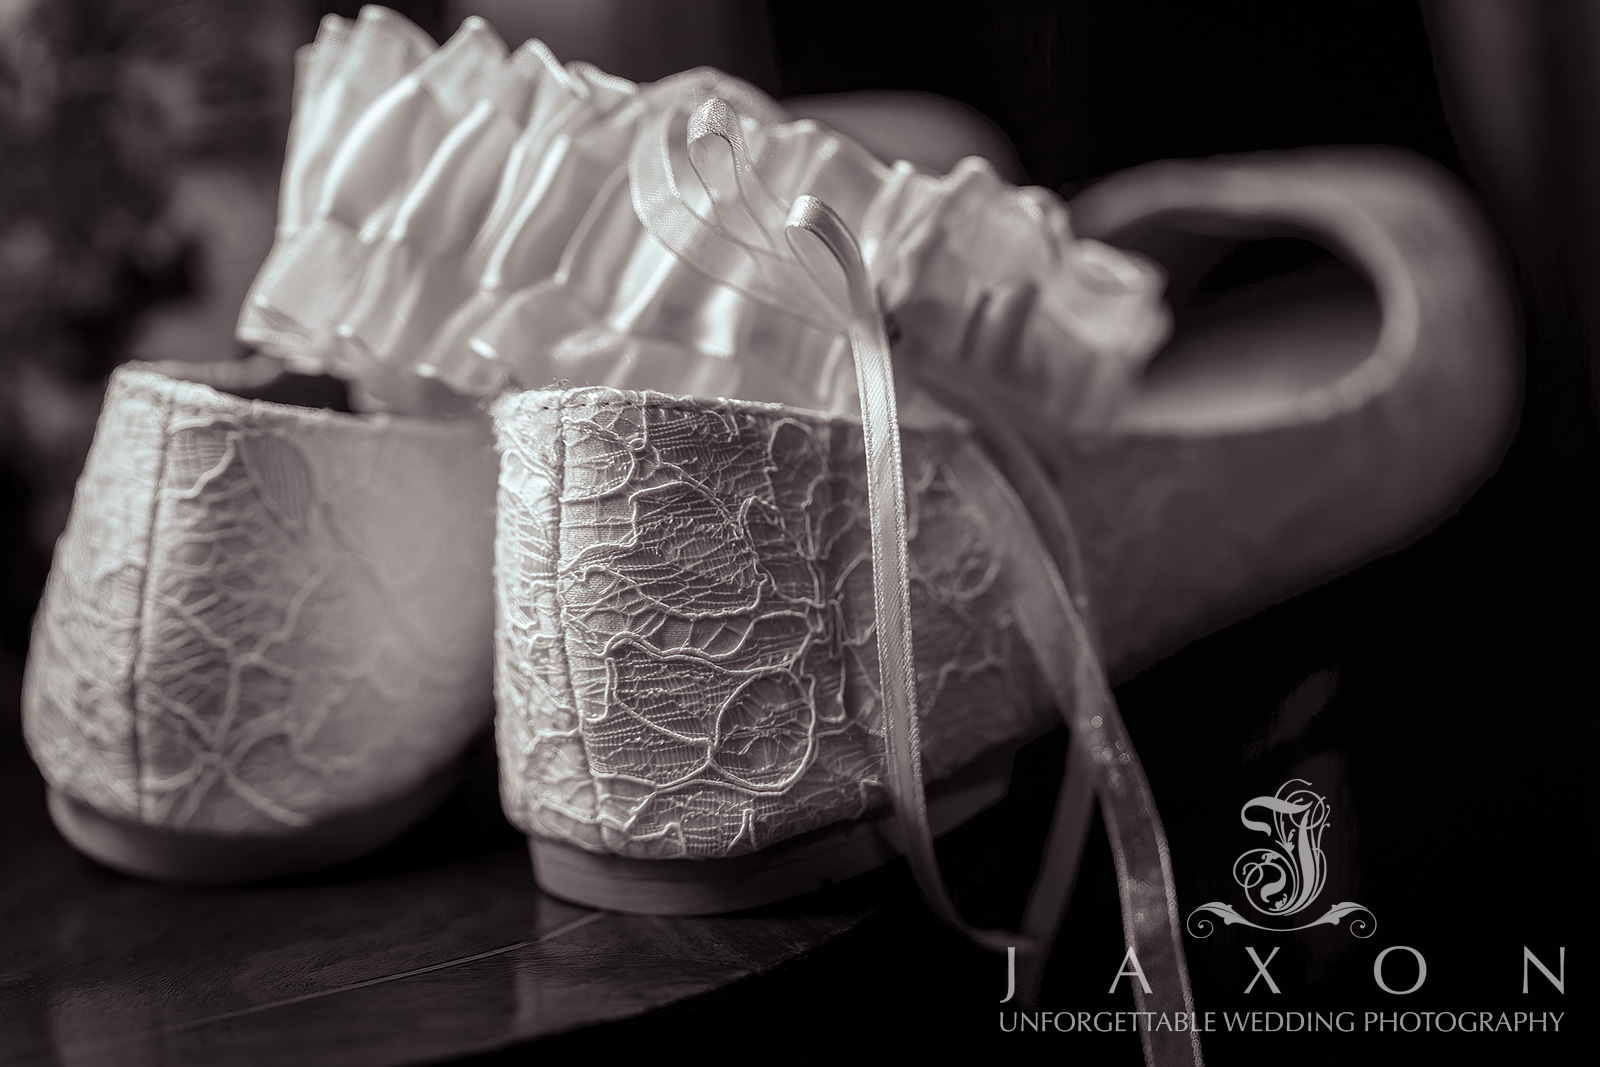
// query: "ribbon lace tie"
[[1101, 760]]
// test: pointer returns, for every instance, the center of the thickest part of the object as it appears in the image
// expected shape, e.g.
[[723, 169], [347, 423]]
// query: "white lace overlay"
[[260, 616], [686, 659]]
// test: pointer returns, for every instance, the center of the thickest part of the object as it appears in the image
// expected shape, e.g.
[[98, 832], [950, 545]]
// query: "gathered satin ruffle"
[[480, 219]]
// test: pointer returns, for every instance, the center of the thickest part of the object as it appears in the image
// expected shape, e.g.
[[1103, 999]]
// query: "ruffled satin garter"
[[477, 218]]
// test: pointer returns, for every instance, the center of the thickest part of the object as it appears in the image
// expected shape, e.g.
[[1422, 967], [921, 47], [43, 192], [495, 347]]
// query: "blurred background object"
[[640, 42], [1521, 82]]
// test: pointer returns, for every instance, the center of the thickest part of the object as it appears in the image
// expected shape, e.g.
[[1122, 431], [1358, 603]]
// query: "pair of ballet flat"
[[740, 648], [264, 620]]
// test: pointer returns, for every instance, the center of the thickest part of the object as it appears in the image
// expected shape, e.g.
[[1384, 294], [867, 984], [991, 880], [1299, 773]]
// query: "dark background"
[[1452, 696]]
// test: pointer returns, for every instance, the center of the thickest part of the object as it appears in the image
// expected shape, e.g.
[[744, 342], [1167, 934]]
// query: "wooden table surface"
[[1447, 718], [437, 947]]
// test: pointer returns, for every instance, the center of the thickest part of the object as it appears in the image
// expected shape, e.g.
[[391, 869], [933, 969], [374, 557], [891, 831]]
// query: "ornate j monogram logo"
[[1285, 878]]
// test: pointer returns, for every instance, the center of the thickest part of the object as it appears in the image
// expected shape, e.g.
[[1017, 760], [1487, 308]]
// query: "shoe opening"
[[262, 377], [1264, 325], [299, 390]]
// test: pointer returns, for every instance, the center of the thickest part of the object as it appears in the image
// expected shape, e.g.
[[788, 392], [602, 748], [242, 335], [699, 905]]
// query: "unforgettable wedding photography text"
[[1409, 1022]]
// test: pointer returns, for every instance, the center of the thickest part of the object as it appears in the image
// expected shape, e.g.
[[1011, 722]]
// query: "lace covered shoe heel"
[[266, 634], [687, 669]]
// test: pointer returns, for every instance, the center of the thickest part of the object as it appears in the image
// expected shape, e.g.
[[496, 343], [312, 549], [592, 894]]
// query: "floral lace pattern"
[[686, 653], [261, 617]]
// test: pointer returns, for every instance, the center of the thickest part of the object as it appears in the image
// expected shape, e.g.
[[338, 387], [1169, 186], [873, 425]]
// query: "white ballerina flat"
[[266, 633]]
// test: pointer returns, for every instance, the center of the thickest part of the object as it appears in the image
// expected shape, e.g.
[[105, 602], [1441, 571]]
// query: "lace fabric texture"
[[480, 218], [260, 617], [686, 662]]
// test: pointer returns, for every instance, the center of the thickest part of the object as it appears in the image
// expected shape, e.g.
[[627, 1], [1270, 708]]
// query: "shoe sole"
[[211, 860], [788, 869]]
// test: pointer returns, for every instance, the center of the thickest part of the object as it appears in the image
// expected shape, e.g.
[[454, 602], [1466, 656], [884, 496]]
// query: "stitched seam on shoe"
[[143, 601], [560, 481]]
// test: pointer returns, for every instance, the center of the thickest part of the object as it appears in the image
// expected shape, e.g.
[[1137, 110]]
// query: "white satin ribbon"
[[823, 248], [1054, 627]]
